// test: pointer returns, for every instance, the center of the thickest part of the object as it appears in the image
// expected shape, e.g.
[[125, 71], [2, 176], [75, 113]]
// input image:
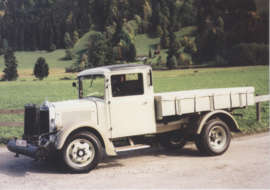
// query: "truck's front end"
[[40, 128], [42, 124]]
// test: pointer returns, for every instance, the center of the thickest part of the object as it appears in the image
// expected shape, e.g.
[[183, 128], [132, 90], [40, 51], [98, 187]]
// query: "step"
[[134, 147]]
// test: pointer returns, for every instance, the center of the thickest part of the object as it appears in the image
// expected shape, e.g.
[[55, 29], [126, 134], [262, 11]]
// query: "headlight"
[[54, 125]]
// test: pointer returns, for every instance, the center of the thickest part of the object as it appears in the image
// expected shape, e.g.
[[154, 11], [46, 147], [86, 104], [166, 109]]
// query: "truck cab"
[[126, 93]]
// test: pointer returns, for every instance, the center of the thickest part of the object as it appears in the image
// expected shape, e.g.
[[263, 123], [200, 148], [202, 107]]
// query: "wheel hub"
[[213, 137], [81, 153], [217, 137]]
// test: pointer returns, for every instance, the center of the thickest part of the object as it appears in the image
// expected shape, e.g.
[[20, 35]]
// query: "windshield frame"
[[92, 79]]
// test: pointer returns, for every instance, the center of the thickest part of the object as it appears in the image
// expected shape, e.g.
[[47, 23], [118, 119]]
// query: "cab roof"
[[111, 68]]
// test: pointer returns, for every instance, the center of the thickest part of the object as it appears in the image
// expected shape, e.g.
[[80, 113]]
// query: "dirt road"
[[245, 165]]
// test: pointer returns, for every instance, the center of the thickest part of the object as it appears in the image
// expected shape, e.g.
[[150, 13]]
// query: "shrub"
[[69, 54]]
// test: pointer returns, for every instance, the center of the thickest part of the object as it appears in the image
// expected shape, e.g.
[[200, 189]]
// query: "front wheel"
[[82, 152], [214, 139]]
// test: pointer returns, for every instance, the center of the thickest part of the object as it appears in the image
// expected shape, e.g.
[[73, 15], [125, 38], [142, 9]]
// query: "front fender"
[[63, 134]]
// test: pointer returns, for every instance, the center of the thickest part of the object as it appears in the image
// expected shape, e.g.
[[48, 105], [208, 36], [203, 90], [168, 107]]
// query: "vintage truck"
[[117, 102]]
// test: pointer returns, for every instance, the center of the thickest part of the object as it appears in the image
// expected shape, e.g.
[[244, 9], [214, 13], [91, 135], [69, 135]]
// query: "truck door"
[[131, 105]]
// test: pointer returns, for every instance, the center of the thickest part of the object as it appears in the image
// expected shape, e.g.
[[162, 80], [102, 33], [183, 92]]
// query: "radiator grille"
[[31, 120], [44, 121]]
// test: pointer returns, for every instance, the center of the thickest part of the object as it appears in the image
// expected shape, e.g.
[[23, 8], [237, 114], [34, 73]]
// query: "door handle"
[[145, 102]]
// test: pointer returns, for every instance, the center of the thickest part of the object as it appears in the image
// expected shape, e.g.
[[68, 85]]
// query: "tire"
[[214, 139], [81, 152], [172, 141]]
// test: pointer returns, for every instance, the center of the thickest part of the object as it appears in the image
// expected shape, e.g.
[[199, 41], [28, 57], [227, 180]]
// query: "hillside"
[[222, 33], [144, 42], [57, 63]]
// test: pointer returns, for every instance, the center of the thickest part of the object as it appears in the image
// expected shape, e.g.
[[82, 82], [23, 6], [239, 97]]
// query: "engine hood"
[[74, 104], [71, 110]]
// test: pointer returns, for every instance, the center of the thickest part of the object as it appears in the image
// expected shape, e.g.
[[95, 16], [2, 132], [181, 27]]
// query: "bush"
[[52, 47], [69, 54], [66, 78], [74, 68]]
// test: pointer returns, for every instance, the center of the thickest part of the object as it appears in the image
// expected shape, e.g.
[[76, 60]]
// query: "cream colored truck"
[[118, 102]]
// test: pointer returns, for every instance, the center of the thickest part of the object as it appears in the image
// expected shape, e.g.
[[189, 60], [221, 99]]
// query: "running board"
[[134, 147]]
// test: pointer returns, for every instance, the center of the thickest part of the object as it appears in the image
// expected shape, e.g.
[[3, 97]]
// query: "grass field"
[[144, 42], [16, 94]]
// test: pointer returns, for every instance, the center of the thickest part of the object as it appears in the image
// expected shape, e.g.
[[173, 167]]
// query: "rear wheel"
[[214, 139], [172, 140], [82, 152]]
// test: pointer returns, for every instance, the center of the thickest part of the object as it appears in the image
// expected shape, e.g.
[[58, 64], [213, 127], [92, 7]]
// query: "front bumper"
[[31, 150]]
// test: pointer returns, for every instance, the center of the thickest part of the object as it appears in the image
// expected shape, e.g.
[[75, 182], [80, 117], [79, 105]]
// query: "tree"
[[69, 54], [67, 40], [150, 54], [190, 47], [159, 31], [5, 45], [41, 68], [10, 71], [132, 53], [97, 50], [175, 46], [172, 63], [75, 37], [159, 61]]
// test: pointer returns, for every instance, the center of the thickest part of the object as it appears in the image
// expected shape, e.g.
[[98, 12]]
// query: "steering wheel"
[[117, 91]]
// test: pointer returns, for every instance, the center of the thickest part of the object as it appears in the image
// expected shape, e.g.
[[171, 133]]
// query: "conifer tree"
[[150, 54], [10, 71], [41, 69], [132, 53]]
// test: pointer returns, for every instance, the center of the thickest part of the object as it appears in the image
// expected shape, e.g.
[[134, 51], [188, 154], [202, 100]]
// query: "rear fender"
[[223, 116]]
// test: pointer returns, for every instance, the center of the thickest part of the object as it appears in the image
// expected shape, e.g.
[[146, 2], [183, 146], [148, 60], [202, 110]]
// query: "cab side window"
[[127, 84]]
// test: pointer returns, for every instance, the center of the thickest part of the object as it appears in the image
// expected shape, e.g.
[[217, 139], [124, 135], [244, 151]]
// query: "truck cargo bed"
[[183, 102]]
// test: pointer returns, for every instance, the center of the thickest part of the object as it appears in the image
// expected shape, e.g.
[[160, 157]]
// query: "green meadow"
[[144, 42], [16, 94]]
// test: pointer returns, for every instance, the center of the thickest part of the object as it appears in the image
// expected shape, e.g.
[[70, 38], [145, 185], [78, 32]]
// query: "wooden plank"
[[12, 111], [11, 123], [263, 98]]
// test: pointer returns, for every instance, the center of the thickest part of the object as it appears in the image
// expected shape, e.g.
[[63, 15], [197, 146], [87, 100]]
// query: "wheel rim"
[[80, 153], [217, 137]]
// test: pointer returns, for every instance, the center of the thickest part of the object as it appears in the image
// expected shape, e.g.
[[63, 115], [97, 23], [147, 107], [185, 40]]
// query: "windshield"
[[92, 86]]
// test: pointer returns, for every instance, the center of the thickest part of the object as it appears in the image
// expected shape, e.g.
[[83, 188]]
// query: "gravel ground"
[[246, 164]]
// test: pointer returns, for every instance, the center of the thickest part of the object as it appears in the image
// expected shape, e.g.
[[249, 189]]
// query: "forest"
[[229, 32]]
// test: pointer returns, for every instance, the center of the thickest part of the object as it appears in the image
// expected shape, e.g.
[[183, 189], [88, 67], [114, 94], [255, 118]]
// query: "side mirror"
[[74, 84]]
